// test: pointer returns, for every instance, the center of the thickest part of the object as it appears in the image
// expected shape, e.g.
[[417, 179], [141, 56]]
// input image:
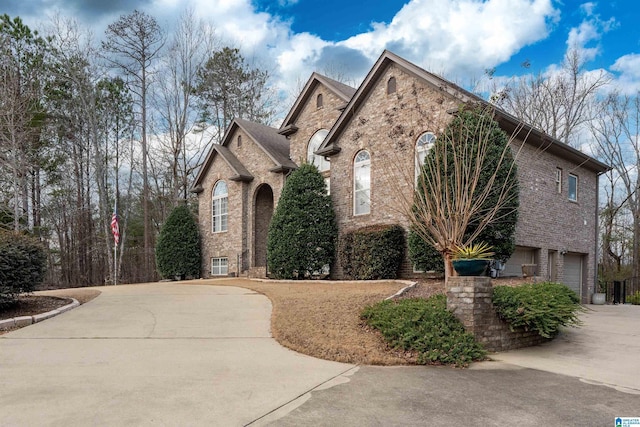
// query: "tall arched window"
[[362, 183], [424, 143], [219, 207], [319, 102], [391, 85], [314, 143]]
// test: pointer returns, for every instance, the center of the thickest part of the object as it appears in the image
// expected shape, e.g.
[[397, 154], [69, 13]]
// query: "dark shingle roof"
[[275, 145], [241, 173]]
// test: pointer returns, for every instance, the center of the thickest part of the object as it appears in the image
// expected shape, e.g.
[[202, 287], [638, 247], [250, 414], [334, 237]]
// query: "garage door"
[[572, 276], [520, 256]]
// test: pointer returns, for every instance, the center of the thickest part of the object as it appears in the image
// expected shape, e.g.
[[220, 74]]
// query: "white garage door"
[[572, 276], [520, 256]]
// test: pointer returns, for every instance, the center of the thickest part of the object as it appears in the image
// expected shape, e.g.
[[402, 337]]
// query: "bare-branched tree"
[[133, 44], [560, 102], [468, 181]]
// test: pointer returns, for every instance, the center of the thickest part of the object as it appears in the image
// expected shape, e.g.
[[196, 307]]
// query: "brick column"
[[469, 299]]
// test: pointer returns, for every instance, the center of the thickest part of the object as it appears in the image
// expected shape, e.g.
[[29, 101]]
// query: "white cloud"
[[627, 70], [586, 36], [468, 35], [465, 36]]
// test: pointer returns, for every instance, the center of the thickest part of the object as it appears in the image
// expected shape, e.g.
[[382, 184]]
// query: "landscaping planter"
[[599, 298], [470, 267]]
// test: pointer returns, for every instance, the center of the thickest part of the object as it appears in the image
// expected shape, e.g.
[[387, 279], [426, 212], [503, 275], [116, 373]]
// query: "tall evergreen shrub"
[[303, 231], [23, 264], [178, 251], [499, 233]]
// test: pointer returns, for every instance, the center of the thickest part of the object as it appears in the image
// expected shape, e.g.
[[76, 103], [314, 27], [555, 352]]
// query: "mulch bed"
[[31, 305]]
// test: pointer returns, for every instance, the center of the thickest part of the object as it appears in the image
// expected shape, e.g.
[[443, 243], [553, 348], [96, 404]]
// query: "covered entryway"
[[262, 213], [572, 274]]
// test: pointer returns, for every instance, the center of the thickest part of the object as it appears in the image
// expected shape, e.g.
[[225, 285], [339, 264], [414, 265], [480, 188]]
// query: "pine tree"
[[303, 231]]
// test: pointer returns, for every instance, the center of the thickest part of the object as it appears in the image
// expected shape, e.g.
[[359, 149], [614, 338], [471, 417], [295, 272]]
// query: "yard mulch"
[[30, 305]]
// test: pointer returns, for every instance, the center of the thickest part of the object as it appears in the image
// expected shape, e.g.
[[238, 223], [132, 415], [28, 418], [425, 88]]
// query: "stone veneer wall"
[[469, 298], [388, 126]]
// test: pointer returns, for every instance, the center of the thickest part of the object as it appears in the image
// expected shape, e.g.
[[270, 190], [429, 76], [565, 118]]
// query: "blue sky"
[[456, 38]]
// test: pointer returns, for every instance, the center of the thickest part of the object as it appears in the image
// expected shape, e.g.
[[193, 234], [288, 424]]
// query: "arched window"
[[319, 101], [362, 183], [239, 140], [424, 143], [219, 207], [391, 85], [314, 143]]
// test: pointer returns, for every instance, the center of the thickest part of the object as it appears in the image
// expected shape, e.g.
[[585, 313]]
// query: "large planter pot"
[[470, 267], [599, 298]]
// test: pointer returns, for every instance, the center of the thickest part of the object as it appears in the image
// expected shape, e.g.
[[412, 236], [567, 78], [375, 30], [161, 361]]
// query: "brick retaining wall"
[[469, 298]]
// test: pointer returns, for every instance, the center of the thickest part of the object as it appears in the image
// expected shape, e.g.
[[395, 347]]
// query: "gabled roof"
[[341, 90], [241, 173], [274, 145], [534, 136]]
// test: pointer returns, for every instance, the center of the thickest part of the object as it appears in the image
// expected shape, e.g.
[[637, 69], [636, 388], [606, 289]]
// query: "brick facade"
[[388, 125]]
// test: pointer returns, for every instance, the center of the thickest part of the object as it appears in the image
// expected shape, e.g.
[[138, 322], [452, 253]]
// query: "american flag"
[[115, 228]]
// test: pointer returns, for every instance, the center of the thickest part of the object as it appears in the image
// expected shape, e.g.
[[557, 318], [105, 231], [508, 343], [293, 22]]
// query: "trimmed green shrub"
[[373, 252], [424, 256], [500, 232], [426, 327], [633, 299], [178, 248], [23, 264], [303, 231], [542, 307]]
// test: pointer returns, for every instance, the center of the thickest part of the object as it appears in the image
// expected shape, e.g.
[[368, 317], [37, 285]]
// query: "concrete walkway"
[[156, 354]]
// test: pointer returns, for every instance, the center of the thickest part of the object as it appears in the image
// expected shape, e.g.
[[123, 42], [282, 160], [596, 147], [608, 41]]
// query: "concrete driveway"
[[605, 350], [586, 377], [174, 354], [156, 354]]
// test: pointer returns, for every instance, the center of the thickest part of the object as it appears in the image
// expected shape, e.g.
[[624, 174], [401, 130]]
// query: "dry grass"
[[322, 319]]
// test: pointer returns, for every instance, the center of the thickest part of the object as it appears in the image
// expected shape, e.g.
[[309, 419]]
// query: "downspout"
[[597, 239]]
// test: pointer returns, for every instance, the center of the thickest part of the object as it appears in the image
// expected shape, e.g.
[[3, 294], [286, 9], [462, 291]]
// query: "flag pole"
[[115, 248]]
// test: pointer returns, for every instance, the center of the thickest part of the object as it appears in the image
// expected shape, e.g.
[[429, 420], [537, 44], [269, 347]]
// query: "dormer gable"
[[310, 95]]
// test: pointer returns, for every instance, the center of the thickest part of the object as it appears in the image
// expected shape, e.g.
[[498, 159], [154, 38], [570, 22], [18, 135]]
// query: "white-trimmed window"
[[219, 266], [573, 187], [314, 143], [362, 183], [559, 180], [425, 142], [219, 207]]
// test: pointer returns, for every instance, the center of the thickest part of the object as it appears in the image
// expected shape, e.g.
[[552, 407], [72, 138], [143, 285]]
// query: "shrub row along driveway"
[[157, 354]]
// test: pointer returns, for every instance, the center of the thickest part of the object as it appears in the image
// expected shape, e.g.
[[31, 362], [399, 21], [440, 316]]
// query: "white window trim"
[[356, 167], [425, 147], [569, 187], [221, 199], [559, 180], [323, 164], [222, 263]]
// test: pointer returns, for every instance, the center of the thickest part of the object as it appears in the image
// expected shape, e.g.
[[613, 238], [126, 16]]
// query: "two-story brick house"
[[365, 142]]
